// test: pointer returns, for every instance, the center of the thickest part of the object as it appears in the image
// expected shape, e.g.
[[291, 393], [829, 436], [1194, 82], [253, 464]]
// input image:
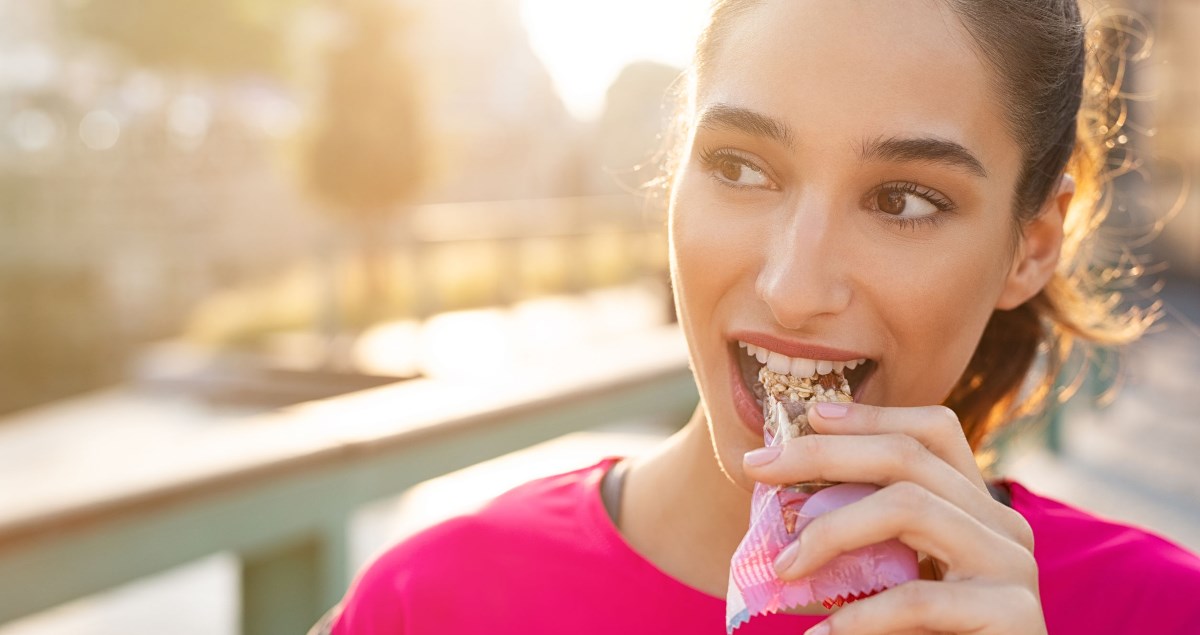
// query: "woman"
[[901, 182]]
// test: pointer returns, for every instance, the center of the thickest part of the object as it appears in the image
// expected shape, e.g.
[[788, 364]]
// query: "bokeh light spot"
[[33, 130], [99, 130]]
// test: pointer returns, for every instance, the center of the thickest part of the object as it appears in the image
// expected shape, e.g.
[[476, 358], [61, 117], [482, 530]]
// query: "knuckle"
[[807, 455], [1021, 530], [1026, 566], [1029, 597], [1019, 600], [1014, 562], [908, 451], [946, 416], [918, 596], [1016, 527], [809, 446], [908, 497], [873, 419]]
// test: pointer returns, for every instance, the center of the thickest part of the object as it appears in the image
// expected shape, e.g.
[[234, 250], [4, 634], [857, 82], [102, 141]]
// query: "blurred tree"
[[627, 137], [365, 157], [212, 36]]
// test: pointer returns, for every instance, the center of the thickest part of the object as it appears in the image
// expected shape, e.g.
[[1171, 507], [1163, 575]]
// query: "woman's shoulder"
[[548, 520], [1067, 535], [1106, 573], [537, 512]]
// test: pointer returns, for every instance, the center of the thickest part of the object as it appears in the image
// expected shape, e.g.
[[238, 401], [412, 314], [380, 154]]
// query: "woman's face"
[[845, 193]]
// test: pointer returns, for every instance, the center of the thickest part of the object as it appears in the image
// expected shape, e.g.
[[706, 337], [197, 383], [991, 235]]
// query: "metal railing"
[[279, 489]]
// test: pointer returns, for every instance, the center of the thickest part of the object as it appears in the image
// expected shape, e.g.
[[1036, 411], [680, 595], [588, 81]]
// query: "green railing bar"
[[289, 521]]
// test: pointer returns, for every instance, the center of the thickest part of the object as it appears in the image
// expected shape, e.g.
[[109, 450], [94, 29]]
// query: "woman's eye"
[[742, 173], [908, 201], [734, 170], [903, 204]]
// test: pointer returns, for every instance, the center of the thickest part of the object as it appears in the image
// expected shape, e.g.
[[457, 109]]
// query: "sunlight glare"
[[585, 43]]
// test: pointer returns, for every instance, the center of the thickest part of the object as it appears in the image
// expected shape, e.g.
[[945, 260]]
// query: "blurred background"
[[214, 212]]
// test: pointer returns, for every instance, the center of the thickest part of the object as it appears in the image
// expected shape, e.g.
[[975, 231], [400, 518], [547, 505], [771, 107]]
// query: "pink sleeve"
[[375, 603], [1102, 576], [1169, 580], [405, 587]]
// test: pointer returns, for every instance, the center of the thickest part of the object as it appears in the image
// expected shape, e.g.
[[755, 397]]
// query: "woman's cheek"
[[708, 241], [939, 317]]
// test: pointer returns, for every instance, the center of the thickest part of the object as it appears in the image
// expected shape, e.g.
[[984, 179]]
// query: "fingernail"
[[786, 557], [819, 629], [762, 456], [831, 410]]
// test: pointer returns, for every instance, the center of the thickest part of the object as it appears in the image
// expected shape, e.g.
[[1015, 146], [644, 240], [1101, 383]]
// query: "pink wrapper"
[[777, 516]]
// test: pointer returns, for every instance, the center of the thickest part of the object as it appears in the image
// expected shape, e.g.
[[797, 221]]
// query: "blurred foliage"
[[457, 276], [243, 317], [213, 36], [365, 154]]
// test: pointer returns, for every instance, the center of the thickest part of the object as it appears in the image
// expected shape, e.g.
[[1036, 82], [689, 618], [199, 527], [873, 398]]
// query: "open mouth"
[[751, 359]]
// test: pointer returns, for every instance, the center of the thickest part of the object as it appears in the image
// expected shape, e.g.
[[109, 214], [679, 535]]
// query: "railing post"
[[286, 589]]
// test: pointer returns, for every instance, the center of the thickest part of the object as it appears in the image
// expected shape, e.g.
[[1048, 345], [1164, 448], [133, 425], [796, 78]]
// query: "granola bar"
[[786, 398], [779, 513]]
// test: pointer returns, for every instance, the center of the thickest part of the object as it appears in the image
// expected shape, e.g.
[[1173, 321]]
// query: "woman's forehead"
[[839, 73]]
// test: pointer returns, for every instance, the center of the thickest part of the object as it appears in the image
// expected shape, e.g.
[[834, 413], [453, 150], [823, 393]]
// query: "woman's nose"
[[804, 274]]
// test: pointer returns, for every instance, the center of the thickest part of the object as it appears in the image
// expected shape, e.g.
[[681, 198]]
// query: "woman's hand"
[[933, 499]]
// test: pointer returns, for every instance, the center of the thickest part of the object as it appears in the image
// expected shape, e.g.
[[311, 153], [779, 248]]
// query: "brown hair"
[[1061, 78]]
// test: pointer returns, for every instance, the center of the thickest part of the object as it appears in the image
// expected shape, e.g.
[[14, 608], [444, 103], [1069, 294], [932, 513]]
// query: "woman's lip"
[[744, 402], [797, 349], [748, 408]]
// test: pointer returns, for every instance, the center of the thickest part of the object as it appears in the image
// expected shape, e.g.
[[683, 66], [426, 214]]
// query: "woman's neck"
[[682, 513]]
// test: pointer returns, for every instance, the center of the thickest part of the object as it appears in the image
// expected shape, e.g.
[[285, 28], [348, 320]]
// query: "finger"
[[919, 519], [922, 606], [886, 459], [936, 427]]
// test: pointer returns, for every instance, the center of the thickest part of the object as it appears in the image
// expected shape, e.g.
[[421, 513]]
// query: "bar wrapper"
[[779, 513]]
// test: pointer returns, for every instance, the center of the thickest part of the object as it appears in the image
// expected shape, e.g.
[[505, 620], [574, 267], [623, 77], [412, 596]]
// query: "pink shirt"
[[545, 558]]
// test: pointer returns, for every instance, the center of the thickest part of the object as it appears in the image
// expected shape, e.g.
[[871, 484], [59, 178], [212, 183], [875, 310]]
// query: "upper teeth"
[[797, 366]]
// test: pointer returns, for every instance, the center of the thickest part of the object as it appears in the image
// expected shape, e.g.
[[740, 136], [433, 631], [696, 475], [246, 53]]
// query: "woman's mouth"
[[748, 359]]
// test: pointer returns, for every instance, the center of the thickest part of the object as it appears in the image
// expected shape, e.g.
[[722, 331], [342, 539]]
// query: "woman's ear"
[[1037, 254]]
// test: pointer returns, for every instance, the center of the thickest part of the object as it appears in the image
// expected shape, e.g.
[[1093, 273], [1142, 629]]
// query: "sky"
[[585, 43]]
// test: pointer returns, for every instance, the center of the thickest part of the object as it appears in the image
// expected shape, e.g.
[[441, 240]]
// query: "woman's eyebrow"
[[924, 149], [726, 117]]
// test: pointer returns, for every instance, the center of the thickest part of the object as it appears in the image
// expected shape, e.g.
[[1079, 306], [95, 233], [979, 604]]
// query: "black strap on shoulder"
[[610, 489], [1000, 492]]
